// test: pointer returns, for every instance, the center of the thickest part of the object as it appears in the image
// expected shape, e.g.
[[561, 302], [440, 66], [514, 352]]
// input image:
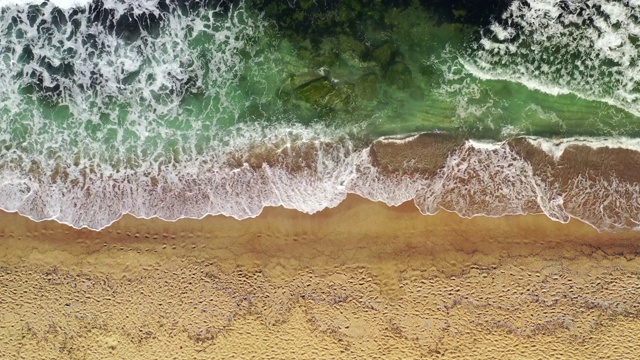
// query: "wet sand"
[[362, 280]]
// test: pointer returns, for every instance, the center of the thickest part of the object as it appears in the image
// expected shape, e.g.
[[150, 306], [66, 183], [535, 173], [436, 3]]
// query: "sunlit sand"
[[359, 281]]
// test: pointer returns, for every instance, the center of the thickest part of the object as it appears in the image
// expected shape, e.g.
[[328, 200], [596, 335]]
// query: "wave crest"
[[588, 48]]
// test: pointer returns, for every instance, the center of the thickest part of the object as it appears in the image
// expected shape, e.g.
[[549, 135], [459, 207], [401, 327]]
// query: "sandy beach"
[[392, 179], [362, 280]]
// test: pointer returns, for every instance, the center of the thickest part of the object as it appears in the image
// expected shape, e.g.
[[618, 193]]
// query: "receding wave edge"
[[591, 179]]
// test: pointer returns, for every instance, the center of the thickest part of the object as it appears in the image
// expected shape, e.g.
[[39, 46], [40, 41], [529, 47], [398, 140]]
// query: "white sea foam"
[[63, 4], [556, 147], [484, 145], [588, 48], [484, 178], [89, 166], [475, 108], [478, 179], [607, 204], [510, 131], [122, 91], [400, 139], [208, 185]]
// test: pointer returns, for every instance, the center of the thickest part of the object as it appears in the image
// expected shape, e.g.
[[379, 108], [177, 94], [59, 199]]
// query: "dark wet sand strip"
[[360, 280]]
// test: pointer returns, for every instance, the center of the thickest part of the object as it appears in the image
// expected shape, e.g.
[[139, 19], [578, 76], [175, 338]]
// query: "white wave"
[[488, 180], [94, 195], [484, 144], [478, 179], [86, 168], [607, 204], [392, 190], [136, 5], [587, 48], [556, 147], [399, 139], [510, 131], [120, 95]]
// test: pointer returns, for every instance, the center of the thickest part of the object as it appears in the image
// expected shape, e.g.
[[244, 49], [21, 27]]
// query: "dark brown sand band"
[[362, 280]]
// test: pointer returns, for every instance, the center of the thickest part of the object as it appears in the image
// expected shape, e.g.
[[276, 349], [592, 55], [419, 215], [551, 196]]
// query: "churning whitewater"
[[589, 48], [309, 170], [177, 109]]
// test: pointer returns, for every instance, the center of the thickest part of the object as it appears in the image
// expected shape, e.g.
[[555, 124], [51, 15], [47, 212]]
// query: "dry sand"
[[359, 281]]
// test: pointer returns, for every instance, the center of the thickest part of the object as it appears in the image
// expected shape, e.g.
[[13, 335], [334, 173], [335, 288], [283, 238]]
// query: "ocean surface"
[[183, 108]]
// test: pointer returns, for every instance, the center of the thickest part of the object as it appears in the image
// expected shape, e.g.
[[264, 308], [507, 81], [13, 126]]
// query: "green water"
[[177, 112], [423, 85], [400, 70]]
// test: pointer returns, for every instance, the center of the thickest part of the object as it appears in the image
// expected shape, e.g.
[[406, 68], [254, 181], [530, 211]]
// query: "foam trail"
[[557, 147]]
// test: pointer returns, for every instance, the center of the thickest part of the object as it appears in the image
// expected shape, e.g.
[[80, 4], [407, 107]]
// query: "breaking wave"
[[588, 48], [310, 169]]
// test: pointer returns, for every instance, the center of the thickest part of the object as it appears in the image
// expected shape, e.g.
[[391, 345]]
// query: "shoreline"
[[340, 179], [357, 280], [559, 178], [354, 221]]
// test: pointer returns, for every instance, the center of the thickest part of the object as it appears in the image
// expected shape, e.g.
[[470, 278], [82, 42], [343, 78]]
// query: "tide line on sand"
[[371, 227]]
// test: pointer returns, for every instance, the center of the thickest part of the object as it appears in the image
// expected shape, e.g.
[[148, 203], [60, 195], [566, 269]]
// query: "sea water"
[[178, 109]]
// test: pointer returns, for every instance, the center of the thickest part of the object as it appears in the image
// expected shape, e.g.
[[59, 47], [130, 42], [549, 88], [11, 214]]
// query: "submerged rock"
[[342, 98], [295, 81], [327, 55], [384, 54], [399, 76], [478, 13], [366, 86], [350, 45], [315, 92], [319, 91]]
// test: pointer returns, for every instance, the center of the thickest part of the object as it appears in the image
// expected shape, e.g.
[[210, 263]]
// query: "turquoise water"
[[137, 107]]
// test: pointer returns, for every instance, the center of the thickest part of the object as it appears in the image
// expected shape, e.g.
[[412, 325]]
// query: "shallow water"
[[182, 109]]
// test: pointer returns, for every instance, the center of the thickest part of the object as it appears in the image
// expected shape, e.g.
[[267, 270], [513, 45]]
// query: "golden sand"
[[362, 280]]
